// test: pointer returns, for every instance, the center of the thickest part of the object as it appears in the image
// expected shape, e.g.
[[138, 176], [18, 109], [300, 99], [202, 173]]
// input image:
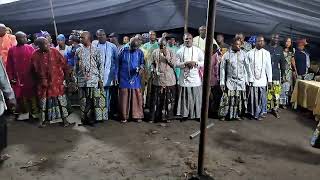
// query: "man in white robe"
[[260, 61], [189, 59]]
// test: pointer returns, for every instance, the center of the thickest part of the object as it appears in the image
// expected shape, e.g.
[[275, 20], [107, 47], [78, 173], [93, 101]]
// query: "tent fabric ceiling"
[[287, 17]]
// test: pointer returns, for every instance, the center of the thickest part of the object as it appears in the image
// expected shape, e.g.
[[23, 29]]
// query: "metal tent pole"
[[211, 15], [186, 16], [53, 18]]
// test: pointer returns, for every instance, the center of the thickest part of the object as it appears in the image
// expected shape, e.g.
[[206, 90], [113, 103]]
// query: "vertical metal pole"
[[211, 16], [54, 19], [186, 16]]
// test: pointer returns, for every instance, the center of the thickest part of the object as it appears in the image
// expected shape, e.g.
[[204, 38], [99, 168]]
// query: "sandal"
[[124, 121]]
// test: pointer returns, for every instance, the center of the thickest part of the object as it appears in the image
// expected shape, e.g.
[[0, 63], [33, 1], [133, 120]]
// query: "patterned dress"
[[50, 69], [287, 86], [92, 97]]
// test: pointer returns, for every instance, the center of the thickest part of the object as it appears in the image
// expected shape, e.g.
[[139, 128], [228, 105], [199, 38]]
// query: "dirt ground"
[[247, 150]]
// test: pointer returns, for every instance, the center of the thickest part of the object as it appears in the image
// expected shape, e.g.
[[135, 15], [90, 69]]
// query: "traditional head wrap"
[[61, 37], [42, 34], [252, 40]]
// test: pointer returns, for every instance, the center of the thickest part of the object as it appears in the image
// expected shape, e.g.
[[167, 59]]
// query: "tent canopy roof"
[[298, 18]]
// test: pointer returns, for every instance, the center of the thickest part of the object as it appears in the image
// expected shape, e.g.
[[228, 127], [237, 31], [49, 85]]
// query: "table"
[[307, 95]]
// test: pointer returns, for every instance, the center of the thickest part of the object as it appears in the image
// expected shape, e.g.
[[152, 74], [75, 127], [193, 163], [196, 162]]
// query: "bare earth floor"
[[247, 150]]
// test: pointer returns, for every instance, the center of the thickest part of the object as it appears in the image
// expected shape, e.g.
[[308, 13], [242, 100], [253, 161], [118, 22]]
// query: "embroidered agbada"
[[190, 77], [235, 70], [190, 87], [6, 42], [163, 90], [130, 93], [89, 66], [109, 56], [50, 69], [89, 70], [163, 68], [260, 62], [19, 69]]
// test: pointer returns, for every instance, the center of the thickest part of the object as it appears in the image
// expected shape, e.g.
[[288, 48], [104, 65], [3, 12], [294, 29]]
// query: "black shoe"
[[276, 114]]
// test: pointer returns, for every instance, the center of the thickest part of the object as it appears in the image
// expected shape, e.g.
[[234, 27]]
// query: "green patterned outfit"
[[274, 96], [92, 105], [53, 108]]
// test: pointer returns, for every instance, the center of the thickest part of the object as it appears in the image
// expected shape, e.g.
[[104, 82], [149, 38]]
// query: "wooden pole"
[[186, 16], [54, 19], [211, 16]]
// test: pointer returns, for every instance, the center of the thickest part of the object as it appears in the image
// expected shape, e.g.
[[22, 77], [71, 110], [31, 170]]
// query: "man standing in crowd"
[[200, 41], [234, 71], [260, 61], [190, 59], [148, 48], [5, 92], [172, 45], [216, 92], [129, 69], [62, 47], [302, 61], [278, 70], [109, 56], [70, 56], [50, 70], [125, 40], [244, 45], [163, 90], [90, 73], [223, 46], [71, 52], [6, 42], [114, 39], [19, 67]]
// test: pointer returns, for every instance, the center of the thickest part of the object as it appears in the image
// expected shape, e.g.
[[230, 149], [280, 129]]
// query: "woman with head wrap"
[[62, 47]]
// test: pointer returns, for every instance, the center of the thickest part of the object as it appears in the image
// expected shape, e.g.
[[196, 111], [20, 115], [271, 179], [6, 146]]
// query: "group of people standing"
[[257, 80], [159, 77], [113, 80]]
